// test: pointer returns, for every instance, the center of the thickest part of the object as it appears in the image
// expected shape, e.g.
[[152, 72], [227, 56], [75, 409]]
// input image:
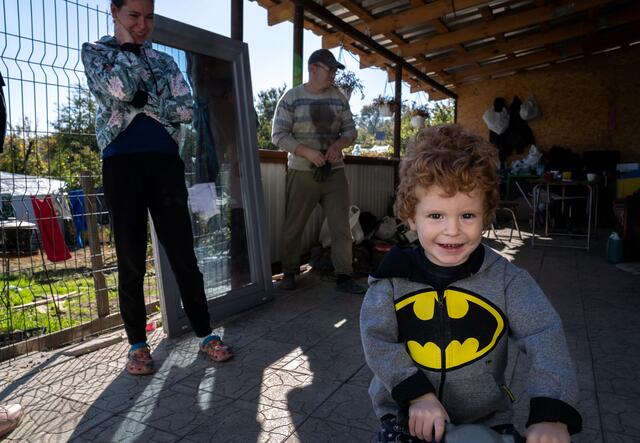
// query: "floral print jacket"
[[114, 76]]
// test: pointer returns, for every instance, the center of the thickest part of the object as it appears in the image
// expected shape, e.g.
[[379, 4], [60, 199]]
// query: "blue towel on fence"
[[76, 200]]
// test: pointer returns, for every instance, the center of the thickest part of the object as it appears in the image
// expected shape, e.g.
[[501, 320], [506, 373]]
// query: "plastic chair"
[[512, 208]]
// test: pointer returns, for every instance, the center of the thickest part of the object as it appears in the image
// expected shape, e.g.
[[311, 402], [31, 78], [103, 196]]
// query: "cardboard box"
[[627, 184]]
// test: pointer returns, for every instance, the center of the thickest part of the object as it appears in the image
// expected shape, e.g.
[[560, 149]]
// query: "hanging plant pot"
[[346, 92], [385, 110], [417, 121]]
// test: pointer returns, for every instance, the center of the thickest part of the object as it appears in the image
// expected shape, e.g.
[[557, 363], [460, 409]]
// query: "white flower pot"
[[385, 111], [346, 92], [417, 121]]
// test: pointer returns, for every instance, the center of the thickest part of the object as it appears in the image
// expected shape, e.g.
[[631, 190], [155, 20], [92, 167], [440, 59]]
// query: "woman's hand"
[[121, 33], [426, 413], [548, 432]]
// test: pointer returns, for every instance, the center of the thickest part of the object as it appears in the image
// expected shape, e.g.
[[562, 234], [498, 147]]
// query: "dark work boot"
[[288, 282]]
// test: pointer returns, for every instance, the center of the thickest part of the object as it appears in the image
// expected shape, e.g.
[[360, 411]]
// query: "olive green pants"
[[303, 193]]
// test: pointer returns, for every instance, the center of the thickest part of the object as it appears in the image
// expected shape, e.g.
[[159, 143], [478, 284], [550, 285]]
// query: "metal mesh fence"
[[57, 259]]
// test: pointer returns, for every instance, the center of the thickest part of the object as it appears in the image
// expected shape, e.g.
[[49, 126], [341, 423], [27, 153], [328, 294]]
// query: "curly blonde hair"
[[453, 158]]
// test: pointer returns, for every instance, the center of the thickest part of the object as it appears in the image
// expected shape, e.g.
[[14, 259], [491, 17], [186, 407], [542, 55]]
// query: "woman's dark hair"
[[120, 3]]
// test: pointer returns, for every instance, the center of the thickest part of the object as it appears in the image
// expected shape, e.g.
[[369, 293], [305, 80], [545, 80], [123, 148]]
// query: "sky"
[[271, 47], [43, 70]]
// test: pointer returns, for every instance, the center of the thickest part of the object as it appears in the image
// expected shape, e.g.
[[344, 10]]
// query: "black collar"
[[412, 263]]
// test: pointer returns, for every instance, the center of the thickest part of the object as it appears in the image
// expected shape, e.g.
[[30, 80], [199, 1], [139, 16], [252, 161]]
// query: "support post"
[[237, 19], [90, 207], [455, 110], [397, 117], [298, 27]]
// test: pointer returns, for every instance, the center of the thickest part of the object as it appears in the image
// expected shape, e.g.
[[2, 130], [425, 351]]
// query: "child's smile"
[[449, 228]]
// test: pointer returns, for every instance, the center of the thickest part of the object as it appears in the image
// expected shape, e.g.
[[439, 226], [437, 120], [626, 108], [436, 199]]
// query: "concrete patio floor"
[[299, 374]]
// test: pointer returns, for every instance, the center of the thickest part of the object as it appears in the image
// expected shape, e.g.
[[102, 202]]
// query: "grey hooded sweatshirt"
[[419, 337]]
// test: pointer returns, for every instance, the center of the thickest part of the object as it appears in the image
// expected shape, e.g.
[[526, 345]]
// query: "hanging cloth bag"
[[496, 121], [356, 230], [530, 110]]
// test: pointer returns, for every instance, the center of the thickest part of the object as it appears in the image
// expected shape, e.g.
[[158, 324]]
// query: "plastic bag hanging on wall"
[[497, 121], [530, 110]]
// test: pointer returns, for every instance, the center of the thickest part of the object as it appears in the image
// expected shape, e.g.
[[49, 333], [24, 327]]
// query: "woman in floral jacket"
[[142, 100]]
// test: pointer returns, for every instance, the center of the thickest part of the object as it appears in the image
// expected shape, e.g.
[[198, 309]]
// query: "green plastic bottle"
[[614, 248]]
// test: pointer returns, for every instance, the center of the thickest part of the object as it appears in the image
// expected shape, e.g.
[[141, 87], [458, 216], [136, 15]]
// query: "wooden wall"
[[586, 104]]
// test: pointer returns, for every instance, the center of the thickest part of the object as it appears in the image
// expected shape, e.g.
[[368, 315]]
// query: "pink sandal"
[[139, 362], [216, 350]]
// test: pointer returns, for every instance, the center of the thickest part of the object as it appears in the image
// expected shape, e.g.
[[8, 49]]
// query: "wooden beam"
[[393, 36], [604, 41], [498, 26], [487, 13], [541, 39], [413, 16], [325, 15], [280, 13]]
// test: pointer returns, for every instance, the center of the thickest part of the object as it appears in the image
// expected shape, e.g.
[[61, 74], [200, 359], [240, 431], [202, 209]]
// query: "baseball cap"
[[325, 57]]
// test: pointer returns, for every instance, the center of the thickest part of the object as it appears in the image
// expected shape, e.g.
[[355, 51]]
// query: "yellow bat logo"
[[471, 325]]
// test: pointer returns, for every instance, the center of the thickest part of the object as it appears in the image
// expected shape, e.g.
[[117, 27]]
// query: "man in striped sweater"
[[313, 123]]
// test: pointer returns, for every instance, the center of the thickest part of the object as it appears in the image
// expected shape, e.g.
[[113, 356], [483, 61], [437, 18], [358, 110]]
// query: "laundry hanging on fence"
[[51, 236], [76, 199]]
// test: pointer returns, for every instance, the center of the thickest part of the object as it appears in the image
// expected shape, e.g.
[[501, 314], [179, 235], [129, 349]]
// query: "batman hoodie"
[[424, 333]]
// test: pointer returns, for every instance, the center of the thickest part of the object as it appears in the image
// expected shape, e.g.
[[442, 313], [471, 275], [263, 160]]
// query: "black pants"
[[134, 184]]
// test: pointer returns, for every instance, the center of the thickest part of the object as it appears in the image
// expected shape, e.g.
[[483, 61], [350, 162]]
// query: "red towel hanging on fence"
[[50, 232]]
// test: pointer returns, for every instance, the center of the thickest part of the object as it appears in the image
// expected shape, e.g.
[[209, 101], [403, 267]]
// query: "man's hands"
[[426, 413], [312, 155], [334, 154], [547, 432]]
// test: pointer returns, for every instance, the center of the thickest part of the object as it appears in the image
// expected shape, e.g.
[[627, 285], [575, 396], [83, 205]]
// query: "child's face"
[[449, 228]]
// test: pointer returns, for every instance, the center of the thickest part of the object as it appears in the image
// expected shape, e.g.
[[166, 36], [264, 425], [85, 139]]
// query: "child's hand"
[[548, 432], [425, 414]]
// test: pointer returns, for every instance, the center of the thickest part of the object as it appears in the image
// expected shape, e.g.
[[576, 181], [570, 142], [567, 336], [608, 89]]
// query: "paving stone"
[[321, 431], [230, 379], [239, 334], [326, 364], [308, 329], [55, 419], [620, 414], [588, 435], [612, 437], [361, 378], [292, 391], [618, 376], [349, 406], [589, 409], [176, 410], [243, 422], [27, 365], [123, 430], [110, 391], [263, 353]]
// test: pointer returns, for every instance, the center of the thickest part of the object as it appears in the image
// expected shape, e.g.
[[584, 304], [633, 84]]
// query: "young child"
[[436, 317]]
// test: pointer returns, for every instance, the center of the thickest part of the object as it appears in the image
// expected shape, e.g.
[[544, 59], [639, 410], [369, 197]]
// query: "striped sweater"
[[314, 120]]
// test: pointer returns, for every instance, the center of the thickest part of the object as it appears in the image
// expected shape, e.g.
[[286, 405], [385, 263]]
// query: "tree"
[[443, 112], [265, 108], [369, 119], [66, 152], [76, 122], [72, 148], [23, 150]]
